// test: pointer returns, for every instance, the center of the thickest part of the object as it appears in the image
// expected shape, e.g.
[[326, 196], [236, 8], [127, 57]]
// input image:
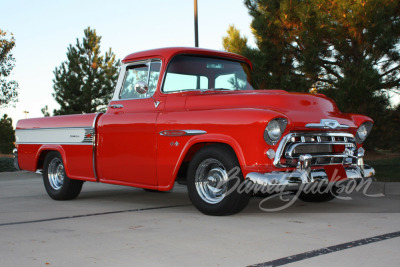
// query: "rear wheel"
[[56, 182], [211, 189]]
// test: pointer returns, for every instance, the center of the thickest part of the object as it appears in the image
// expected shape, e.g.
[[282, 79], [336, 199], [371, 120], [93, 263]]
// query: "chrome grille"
[[325, 148]]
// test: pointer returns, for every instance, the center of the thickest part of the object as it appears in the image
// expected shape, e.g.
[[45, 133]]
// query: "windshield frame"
[[249, 68]]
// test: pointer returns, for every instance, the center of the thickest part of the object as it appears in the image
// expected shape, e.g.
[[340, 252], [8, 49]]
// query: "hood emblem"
[[328, 124]]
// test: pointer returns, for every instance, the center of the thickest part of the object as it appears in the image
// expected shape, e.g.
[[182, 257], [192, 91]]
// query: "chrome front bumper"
[[297, 177]]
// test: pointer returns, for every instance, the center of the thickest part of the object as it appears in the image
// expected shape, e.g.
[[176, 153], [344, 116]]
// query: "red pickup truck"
[[192, 114]]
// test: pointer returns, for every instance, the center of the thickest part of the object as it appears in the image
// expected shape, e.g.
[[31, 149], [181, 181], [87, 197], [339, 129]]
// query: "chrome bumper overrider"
[[298, 177]]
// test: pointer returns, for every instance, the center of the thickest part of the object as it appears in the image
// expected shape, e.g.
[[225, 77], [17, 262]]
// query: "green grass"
[[6, 165], [387, 170]]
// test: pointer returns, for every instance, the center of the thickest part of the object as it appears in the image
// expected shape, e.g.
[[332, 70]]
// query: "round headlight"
[[363, 131], [274, 130]]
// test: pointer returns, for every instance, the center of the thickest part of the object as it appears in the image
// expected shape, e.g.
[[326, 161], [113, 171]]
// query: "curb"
[[388, 189], [392, 189]]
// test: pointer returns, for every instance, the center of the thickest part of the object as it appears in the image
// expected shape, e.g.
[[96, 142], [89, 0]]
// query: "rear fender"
[[44, 149]]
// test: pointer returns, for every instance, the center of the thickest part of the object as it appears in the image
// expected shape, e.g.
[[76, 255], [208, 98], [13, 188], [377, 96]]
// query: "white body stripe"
[[73, 135]]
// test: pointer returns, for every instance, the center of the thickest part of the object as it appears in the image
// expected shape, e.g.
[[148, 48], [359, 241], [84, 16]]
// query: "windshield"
[[187, 72]]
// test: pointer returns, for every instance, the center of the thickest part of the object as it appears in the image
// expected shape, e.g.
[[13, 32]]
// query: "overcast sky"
[[44, 29]]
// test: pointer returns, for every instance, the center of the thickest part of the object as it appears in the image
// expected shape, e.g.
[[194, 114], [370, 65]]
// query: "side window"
[[138, 73], [155, 68], [132, 76]]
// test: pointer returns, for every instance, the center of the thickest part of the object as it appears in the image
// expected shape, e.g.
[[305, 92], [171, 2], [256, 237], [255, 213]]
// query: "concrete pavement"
[[121, 226]]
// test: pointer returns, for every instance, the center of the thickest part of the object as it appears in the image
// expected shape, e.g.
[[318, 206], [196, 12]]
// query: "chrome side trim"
[[94, 145], [52, 128], [54, 143], [195, 132], [56, 135], [175, 133]]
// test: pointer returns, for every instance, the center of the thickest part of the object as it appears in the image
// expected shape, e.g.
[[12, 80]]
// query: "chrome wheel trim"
[[56, 173], [211, 181]]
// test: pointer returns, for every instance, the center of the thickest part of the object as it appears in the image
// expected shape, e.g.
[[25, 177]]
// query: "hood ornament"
[[327, 124]]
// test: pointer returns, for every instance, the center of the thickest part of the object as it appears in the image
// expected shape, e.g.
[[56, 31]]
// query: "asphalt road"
[[111, 225]]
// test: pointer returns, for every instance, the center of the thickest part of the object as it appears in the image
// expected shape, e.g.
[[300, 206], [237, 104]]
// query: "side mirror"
[[141, 87]]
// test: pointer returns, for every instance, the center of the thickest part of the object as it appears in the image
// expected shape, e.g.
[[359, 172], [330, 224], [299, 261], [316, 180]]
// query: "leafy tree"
[[8, 88], [85, 82], [7, 135], [348, 50]]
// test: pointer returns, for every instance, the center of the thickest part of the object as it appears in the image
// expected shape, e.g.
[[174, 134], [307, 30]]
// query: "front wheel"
[[56, 182], [213, 179]]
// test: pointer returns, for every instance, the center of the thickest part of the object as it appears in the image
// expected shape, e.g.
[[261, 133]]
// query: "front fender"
[[241, 129], [208, 139]]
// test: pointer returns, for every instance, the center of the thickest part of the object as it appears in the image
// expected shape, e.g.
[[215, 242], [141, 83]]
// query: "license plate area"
[[335, 172]]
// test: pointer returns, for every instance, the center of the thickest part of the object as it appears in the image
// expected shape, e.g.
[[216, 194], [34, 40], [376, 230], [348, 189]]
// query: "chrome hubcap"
[[56, 173], [211, 181]]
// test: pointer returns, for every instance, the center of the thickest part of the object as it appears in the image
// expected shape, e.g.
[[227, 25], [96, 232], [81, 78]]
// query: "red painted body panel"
[[168, 53], [77, 158], [28, 157], [127, 137], [129, 149], [81, 120]]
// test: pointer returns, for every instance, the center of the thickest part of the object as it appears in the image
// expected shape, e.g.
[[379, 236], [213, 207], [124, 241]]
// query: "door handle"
[[115, 106]]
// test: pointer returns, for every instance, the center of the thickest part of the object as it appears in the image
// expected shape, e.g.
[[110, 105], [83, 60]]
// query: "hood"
[[299, 108]]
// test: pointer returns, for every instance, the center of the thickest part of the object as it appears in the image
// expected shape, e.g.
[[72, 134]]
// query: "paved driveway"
[[120, 226]]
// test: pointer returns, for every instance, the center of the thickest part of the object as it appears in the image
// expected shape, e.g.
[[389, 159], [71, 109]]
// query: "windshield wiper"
[[219, 89]]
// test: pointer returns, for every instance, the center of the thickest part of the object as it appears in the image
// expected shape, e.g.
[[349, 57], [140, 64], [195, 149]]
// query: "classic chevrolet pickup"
[[192, 114]]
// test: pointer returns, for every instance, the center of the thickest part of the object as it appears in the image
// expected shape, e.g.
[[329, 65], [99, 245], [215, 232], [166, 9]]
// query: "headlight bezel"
[[363, 131], [271, 134]]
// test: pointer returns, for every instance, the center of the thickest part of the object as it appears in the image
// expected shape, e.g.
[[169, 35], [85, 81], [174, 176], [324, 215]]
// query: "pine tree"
[[8, 88], [348, 50], [85, 82], [7, 135], [45, 111]]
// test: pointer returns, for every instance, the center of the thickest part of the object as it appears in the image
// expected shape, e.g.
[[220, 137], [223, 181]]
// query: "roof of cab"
[[168, 52]]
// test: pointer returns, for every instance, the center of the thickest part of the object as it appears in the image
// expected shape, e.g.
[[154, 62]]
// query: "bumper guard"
[[305, 175]]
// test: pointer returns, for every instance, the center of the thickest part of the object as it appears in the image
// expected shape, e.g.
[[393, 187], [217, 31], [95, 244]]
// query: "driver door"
[[126, 151]]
